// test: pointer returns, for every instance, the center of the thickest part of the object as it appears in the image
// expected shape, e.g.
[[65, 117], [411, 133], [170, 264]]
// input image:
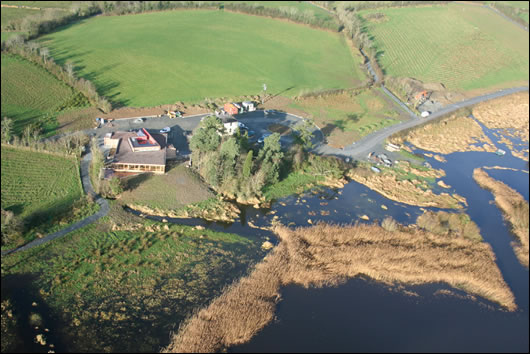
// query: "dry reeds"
[[514, 208], [325, 255]]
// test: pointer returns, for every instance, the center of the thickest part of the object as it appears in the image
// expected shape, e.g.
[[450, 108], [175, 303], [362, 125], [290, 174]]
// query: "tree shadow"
[[135, 181], [22, 293]]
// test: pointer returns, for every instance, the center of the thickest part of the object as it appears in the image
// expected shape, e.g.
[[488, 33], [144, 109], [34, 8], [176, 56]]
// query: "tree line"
[[35, 53], [237, 170]]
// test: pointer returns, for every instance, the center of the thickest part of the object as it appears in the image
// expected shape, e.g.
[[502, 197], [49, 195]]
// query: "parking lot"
[[257, 121]]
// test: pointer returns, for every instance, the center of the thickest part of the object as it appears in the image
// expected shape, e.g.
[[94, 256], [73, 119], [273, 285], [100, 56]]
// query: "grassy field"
[[200, 54], [345, 118], [41, 189], [462, 46], [301, 6], [41, 4], [144, 277], [30, 94], [10, 14], [175, 189]]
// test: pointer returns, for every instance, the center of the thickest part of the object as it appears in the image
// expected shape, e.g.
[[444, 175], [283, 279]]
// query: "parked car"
[[241, 125], [165, 130], [138, 120], [261, 140]]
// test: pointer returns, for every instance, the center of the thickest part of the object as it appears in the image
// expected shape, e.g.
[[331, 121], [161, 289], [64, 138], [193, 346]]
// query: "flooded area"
[[362, 315]]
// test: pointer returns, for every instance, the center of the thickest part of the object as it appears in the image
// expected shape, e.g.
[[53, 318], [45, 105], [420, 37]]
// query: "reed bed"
[[515, 209], [325, 255]]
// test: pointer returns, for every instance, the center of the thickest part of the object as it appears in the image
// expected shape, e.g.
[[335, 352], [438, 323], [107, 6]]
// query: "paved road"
[[361, 148], [87, 186]]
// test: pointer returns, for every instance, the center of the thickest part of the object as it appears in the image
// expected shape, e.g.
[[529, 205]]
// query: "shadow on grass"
[[31, 320]]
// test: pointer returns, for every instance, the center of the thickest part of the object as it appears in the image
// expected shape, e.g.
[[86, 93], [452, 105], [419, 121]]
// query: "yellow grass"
[[514, 208], [326, 255], [456, 133], [505, 113], [405, 191]]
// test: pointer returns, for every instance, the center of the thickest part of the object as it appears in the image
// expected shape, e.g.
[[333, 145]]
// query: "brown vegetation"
[[514, 208], [509, 112], [456, 133], [327, 255], [396, 185], [444, 223]]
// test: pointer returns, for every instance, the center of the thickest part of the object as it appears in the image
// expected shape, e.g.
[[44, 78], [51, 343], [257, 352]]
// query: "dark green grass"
[[117, 284]]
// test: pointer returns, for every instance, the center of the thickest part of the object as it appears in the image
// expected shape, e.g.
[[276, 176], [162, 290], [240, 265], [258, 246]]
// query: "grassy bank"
[[201, 54], [127, 281], [464, 47], [515, 210], [327, 255], [43, 191]]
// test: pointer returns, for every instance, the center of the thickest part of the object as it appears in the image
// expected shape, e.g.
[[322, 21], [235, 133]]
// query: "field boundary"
[[87, 187]]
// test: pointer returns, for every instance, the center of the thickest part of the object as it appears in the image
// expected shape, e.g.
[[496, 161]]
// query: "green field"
[[344, 119], [301, 6], [41, 4], [40, 189], [10, 14], [30, 94], [114, 285], [173, 190], [462, 46], [164, 57]]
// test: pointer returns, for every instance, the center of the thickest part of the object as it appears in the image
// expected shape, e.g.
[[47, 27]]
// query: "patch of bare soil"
[[408, 88], [325, 255], [186, 109], [456, 133], [515, 209]]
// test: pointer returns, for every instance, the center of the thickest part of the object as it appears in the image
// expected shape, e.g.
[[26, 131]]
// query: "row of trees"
[[71, 144], [35, 53], [229, 165], [352, 24]]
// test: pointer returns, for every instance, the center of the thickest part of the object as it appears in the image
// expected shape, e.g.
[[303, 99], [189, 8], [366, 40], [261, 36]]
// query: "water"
[[363, 316]]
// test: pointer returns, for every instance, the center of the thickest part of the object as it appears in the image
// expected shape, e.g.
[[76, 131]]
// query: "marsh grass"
[[514, 208], [327, 255]]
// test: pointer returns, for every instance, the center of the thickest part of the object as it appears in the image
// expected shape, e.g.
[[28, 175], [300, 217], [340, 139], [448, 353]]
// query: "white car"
[[165, 130], [261, 140], [241, 125]]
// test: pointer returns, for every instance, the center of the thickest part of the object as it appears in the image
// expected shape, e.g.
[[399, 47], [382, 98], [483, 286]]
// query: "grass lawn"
[[464, 47], [173, 190], [43, 190], [188, 55], [32, 95], [345, 118], [113, 285]]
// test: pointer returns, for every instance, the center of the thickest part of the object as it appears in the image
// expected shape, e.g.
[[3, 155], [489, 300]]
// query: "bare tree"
[[45, 53]]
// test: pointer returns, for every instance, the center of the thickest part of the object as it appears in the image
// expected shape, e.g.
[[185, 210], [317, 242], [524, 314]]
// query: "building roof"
[[225, 120], [124, 153]]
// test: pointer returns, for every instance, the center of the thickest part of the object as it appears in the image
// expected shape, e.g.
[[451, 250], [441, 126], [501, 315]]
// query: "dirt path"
[[87, 186]]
